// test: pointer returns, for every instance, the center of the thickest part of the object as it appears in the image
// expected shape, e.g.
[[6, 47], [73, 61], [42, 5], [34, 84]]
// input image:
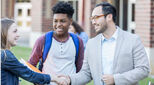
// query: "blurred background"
[[34, 18]]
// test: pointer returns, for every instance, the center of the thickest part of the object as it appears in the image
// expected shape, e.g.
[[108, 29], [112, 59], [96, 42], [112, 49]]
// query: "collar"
[[114, 36]]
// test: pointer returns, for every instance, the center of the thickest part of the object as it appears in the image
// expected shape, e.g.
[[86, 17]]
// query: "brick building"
[[42, 18], [7, 8], [20, 11], [145, 26]]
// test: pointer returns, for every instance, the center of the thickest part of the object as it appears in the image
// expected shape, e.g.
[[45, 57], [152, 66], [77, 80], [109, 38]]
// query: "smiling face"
[[72, 29], [99, 20], [12, 35], [61, 24]]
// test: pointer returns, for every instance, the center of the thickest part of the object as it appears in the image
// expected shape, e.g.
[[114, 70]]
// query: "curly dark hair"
[[64, 8], [107, 8]]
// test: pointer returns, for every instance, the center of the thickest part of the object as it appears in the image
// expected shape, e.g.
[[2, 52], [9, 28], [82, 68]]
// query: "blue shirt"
[[108, 51], [84, 38]]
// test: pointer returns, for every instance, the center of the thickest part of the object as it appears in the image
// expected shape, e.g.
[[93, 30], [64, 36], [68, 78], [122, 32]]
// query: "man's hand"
[[66, 79], [59, 80], [108, 79]]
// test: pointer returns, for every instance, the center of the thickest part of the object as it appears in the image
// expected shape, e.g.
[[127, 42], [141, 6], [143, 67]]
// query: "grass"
[[24, 52]]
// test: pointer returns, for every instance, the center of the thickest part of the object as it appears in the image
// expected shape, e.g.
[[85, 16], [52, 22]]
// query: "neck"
[[61, 38], [109, 31], [8, 46]]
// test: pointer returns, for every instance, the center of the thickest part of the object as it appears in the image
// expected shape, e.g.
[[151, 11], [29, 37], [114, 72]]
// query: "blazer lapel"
[[117, 49], [98, 55]]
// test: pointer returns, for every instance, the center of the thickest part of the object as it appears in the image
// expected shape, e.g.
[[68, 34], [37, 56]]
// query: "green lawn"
[[24, 52]]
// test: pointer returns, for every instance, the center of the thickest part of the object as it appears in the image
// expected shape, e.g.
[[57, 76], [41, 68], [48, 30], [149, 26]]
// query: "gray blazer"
[[130, 63]]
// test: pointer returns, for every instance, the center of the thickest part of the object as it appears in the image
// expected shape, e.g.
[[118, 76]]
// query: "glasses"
[[96, 17]]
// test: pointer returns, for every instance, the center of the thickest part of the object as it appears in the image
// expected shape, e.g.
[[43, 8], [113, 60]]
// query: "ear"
[[71, 21], [109, 17]]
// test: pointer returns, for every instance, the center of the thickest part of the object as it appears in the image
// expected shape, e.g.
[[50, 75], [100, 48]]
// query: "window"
[[20, 23], [18, 0], [28, 12], [131, 16], [76, 10], [22, 0], [28, 23], [71, 2], [74, 3], [28, 0], [133, 12], [19, 12]]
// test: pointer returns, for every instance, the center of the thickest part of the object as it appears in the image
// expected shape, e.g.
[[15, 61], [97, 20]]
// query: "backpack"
[[48, 44]]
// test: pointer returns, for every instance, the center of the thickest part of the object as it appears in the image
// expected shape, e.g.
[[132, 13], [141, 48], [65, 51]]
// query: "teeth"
[[59, 28]]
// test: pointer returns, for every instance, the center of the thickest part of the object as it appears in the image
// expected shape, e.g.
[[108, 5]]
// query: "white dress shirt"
[[108, 51]]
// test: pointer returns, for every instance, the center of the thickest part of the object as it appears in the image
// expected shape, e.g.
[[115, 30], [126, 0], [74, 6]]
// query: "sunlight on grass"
[[21, 52]]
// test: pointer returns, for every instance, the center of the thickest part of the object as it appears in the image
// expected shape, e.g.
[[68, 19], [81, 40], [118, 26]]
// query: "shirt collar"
[[114, 36]]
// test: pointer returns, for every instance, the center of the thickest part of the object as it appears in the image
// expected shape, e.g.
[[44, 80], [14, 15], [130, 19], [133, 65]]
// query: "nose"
[[17, 35], [59, 24], [93, 22]]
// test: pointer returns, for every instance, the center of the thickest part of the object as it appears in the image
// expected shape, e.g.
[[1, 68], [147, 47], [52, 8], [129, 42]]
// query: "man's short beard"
[[103, 29]]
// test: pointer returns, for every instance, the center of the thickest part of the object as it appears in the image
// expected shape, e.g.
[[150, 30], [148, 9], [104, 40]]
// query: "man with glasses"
[[114, 56]]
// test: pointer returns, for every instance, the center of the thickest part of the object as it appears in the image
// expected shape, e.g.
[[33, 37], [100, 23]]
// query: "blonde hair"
[[5, 25]]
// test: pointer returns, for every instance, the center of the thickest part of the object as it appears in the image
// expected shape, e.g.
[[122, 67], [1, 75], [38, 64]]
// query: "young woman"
[[76, 28], [11, 68]]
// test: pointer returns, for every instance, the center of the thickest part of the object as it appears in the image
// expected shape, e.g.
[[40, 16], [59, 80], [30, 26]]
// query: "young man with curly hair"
[[60, 51]]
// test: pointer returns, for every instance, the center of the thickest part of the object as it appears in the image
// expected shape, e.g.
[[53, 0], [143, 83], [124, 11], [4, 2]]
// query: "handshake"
[[61, 79]]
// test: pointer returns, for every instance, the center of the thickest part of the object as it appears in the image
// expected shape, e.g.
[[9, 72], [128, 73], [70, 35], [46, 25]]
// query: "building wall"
[[152, 37], [47, 14], [41, 18], [152, 24], [7, 7], [22, 16], [36, 25], [145, 26], [42, 15], [36, 15], [143, 21]]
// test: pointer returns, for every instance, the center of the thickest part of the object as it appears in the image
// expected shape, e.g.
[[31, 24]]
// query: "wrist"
[[53, 78]]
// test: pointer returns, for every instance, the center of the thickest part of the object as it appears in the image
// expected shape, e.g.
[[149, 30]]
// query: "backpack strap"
[[76, 43], [47, 45]]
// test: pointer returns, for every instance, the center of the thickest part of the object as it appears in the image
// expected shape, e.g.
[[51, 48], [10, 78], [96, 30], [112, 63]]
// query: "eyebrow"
[[97, 14], [63, 18], [15, 26]]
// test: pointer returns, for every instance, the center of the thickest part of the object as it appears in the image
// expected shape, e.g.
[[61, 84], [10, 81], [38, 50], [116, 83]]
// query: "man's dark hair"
[[64, 8], [107, 8]]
